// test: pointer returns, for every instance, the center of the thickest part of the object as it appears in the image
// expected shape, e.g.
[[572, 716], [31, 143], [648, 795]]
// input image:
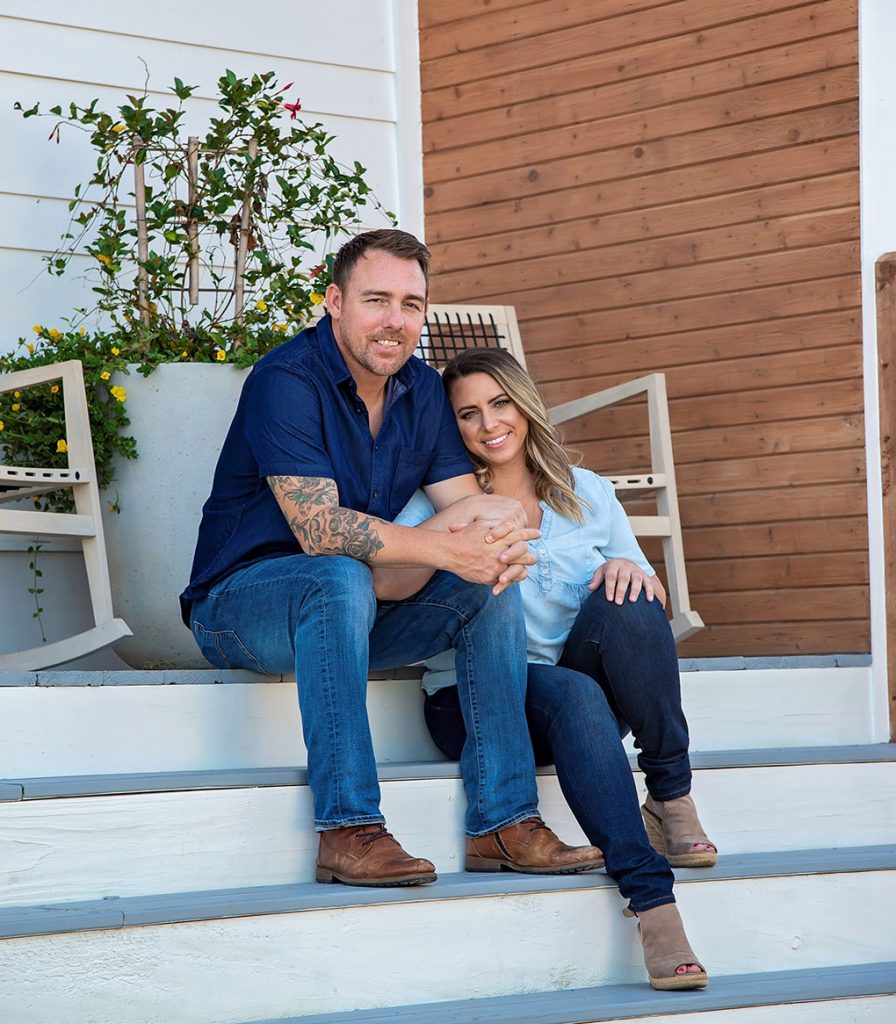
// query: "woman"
[[593, 614]]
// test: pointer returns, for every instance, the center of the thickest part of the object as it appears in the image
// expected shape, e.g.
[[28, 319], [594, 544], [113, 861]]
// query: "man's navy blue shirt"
[[299, 414]]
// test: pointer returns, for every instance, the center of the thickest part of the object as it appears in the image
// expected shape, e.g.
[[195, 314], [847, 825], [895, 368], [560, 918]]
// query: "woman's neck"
[[513, 481]]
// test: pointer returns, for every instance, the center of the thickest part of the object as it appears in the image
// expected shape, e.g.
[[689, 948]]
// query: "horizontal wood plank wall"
[[673, 185]]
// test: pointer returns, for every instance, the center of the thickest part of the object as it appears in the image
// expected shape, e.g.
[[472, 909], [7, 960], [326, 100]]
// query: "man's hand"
[[483, 557], [620, 575]]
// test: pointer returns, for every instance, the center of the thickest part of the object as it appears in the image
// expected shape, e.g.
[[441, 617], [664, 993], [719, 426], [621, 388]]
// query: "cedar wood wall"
[[674, 186]]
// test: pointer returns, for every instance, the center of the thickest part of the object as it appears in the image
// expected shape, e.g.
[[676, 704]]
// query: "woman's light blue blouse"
[[567, 556]]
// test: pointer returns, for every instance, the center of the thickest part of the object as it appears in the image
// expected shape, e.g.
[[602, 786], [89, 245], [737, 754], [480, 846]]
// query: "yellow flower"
[[220, 355], [30, 348], [103, 258], [61, 446], [54, 334], [81, 331], [116, 351], [17, 394], [118, 393], [2, 425], [54, 390], [118, 128], [184, 354], [37, 328], [16, 407], [280, 327], [261, 306], [316, 298], [105, 375]]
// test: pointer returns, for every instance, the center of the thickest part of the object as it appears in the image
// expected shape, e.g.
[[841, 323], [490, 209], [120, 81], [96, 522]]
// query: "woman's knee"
[[639, 622], [564, 693]]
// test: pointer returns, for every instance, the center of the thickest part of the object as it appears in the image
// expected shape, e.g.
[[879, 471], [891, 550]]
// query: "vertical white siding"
[[877, 93], [355, 67], [354, 64]]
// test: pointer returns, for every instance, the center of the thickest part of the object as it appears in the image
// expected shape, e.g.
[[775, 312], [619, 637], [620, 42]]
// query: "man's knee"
[[346, 586]]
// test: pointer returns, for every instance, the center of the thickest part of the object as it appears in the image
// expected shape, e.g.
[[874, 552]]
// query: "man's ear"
[[333, 298]]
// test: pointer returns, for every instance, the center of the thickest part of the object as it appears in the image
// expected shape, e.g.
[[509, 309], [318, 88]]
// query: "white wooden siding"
[[347, 61], [355, 66]]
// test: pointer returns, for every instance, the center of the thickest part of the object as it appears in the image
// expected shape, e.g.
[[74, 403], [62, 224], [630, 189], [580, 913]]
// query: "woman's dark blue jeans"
[[572, 726], [630, 651]]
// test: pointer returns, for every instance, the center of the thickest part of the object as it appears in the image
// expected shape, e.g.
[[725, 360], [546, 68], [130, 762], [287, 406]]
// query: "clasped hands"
[[490, 519]]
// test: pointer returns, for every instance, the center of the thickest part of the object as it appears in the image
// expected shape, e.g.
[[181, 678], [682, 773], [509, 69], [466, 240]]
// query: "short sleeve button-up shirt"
[[300, 414]]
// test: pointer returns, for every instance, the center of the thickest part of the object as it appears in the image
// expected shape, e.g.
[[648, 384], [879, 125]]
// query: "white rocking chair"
[[85, 523], [450, 329]]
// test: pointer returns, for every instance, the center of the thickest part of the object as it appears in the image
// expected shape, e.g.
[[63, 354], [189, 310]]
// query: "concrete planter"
[[179, 417]]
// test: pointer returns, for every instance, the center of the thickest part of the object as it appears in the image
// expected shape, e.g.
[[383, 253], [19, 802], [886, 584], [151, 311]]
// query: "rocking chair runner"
[[450, 329], [85, 523]]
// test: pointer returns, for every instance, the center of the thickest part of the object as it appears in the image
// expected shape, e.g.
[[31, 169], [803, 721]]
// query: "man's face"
[[378, 316]]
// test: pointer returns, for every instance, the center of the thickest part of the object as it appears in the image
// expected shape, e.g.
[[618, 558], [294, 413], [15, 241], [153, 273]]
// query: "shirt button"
[[544, 572], [376, 494]]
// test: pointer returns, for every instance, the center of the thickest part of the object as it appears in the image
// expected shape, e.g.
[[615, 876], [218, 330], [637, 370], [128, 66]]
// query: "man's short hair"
[[401, 244]]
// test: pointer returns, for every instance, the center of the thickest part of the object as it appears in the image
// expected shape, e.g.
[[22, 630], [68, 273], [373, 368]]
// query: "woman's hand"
[[489, 508], [619, 575]]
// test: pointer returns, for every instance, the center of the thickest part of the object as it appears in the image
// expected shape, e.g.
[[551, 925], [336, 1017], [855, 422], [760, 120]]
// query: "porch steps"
[[156, 855], [167, 832], [836, 995], [229, 955]]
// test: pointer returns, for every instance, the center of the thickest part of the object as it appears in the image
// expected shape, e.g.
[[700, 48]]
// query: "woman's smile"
[[490, 424]]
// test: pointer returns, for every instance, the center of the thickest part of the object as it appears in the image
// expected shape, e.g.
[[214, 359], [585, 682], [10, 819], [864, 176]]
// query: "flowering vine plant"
[[231, 258]]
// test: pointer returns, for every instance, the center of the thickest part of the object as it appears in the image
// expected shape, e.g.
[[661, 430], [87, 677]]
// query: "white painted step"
[[70, 723], [861, 993], [255, 828], [297, 951]]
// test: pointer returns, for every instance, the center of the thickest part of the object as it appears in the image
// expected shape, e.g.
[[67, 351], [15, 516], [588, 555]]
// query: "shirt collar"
[[398, 384]]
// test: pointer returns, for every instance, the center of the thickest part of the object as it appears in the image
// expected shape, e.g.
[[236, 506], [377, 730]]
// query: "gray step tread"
[[621, 1002], [203, 905], [52, 787], [206, 675]]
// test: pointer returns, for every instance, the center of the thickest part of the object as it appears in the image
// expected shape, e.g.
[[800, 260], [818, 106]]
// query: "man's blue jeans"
[[318, 616]]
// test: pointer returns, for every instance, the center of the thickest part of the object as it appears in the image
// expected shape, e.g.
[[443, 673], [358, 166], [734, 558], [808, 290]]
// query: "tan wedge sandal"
[[674, 829], [666, 948]]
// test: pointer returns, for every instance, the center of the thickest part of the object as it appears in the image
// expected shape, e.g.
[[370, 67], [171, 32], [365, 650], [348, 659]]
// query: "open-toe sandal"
[[666, 948], [674, 829]]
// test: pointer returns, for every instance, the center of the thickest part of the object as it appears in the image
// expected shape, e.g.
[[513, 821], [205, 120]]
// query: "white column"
[[877, 105]]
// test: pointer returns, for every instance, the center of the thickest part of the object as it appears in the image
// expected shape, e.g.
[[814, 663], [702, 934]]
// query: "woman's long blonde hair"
[[546, 458]]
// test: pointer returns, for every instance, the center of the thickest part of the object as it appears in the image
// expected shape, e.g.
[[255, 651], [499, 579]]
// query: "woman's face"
[[491, 426]]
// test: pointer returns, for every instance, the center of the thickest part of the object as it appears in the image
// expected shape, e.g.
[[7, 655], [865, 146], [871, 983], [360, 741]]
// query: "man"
[[333, 433]]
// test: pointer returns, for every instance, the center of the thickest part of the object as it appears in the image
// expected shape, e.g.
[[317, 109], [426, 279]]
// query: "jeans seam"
[[325, 824], [474, 721], [513, 820], [661, 901], [331, 714]]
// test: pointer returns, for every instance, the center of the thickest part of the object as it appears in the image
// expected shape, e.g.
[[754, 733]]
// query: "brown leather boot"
[[531, 847], [368, 855]]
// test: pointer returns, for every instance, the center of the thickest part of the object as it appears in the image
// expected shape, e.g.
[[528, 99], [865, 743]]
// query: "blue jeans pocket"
[[224, 649]]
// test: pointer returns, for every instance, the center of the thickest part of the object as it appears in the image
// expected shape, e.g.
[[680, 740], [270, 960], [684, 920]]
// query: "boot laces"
[[371, 837]]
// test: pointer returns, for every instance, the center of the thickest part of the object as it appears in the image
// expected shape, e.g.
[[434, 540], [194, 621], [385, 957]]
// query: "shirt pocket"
[[410, 471], [569, 560]]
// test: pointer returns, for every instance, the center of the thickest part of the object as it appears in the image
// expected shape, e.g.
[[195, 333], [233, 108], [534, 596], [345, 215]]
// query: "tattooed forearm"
[[343, 531], [302, 490], [322, 527]]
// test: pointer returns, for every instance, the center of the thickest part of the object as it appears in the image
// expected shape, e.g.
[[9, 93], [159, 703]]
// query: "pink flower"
[[293, 109], [285, 88]]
